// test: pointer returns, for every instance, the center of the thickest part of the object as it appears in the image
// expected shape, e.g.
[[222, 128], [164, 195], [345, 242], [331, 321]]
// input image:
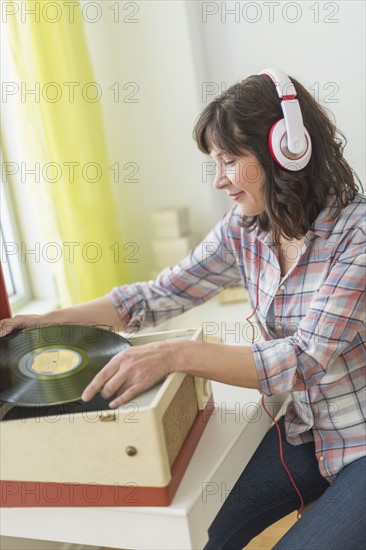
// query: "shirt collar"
[[326, 219], [322, 226]]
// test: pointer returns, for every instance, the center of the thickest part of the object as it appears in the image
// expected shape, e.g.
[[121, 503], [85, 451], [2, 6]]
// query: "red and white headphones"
[[289, 141]]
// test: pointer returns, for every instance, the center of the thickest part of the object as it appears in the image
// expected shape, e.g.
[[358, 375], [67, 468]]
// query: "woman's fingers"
[[101, 379], [115, 383], [126, 396], [131, 372], [17, 323]]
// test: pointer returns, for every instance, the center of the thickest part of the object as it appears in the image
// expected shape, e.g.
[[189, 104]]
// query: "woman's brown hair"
[[239, 121]]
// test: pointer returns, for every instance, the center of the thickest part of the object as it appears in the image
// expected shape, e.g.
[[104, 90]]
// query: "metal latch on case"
[[106, 416]]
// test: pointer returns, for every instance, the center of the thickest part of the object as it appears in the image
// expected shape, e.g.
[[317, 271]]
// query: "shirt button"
[[321, 458]]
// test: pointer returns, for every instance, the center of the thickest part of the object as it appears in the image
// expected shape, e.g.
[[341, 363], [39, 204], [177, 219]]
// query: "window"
[[14, 271], [29, 280]]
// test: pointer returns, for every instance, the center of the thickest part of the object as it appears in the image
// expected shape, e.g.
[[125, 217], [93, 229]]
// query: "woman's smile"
[[236, 196]]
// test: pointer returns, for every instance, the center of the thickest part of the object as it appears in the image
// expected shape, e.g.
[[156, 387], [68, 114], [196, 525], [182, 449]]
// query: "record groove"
[[53, 364]]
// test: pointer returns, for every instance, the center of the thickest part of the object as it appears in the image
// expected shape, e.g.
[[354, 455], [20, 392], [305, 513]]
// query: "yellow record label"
[[55, 362]]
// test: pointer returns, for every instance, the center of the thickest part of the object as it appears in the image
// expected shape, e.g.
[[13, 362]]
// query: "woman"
[[295, 239]]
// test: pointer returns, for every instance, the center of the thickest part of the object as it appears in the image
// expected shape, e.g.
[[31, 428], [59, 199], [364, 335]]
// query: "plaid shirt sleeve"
[[335, 319], [208, 269]]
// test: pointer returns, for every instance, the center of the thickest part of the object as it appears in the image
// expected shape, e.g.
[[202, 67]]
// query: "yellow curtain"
[[52, 58]]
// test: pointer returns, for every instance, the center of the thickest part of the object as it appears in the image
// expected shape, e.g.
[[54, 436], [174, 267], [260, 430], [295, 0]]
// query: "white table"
[[234, 431]]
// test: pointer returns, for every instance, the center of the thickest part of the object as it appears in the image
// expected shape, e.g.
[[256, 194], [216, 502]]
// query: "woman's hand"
[[100, 311], [132, 371], [19, 322], [136, 369]]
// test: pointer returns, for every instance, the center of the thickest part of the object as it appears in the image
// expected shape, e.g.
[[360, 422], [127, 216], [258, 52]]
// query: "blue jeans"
[[264, 494]]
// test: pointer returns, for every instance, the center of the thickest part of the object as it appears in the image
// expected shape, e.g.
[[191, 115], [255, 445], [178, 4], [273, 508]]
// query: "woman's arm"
[[136, 369], [232, 365], [333, 325], [209, 268], [100, 311]]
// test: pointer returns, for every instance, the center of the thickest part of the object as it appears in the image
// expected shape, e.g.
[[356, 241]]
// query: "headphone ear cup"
[[277, 142]]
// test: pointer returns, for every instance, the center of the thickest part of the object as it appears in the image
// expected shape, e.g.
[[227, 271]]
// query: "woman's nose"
[[220, 180]]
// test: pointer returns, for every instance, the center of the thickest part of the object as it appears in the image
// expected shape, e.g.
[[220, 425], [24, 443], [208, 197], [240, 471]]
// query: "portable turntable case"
[[135, 455]]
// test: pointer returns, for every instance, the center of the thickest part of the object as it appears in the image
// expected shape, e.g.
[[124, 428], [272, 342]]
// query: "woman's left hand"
[[131, 372]]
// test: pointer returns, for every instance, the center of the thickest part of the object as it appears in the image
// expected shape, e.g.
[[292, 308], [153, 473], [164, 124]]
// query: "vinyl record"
[[53, 364]]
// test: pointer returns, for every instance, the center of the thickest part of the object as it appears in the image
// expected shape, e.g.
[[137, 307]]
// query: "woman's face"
[[242, 178]]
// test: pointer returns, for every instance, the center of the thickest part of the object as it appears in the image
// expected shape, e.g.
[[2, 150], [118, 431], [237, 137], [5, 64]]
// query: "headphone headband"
[[284, 86], [289, 141]]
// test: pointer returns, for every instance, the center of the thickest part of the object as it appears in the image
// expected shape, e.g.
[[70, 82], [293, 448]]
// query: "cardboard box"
[[170, 223]]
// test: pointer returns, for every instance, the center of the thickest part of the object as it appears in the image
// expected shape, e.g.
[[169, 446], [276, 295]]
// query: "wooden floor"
[[269, 537]]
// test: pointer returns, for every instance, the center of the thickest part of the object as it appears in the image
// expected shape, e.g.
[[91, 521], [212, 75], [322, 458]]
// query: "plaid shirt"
[[312, 320]]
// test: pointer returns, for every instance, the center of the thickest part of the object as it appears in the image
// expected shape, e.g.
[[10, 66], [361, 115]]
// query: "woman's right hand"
[[19, 322], [99, 311]]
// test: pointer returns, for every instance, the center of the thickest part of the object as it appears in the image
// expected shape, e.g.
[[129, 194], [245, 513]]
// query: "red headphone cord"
[[299, 514]]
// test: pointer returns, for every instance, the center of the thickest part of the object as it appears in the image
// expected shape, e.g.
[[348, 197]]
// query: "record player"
[[78, 454]]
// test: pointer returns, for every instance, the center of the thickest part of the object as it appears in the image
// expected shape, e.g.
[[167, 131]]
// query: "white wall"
[[156, 133], [316, 42], [176, 47]]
